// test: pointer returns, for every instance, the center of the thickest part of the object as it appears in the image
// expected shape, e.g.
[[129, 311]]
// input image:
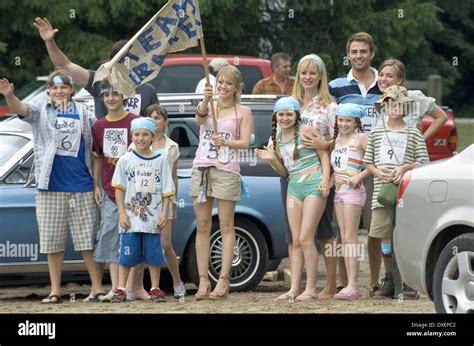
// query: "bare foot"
[[287, 295], [142, 294], [326, 293]]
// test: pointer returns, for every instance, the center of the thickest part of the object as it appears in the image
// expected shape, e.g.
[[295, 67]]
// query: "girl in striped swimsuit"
[[308, 188], [349, 173]]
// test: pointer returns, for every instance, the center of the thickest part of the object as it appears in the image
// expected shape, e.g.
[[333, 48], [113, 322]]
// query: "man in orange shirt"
[[280, 82]]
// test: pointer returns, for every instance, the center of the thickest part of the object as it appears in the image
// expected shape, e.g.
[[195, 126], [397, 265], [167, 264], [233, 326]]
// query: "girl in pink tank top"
[[216, 175], [349, 172]]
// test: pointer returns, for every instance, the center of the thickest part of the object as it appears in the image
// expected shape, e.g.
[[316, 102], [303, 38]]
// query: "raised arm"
[[6, 88], [440, 117], [79, 74]]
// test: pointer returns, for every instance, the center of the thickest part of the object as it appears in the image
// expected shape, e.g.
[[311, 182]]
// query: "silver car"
[[434, 232]]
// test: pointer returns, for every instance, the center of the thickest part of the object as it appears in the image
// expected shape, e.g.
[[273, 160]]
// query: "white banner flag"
[[177, 26]]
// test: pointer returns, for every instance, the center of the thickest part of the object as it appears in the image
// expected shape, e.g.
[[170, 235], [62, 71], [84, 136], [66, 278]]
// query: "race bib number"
[[393, 154], [115, 142], [339, 159], [133, 104], [69, 136], [209, 150], [287, 156], [370, 119], [145, 180]]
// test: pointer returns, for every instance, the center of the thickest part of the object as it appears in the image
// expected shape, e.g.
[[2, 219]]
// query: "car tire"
[[250, 258], [453, 282], [273, 264]]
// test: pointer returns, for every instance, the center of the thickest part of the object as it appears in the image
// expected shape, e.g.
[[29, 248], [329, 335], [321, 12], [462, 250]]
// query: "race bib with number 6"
[[69, 136], [115, 142]]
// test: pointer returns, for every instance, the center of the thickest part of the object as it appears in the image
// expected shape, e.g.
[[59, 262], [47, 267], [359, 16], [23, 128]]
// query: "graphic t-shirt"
[[111, 140]]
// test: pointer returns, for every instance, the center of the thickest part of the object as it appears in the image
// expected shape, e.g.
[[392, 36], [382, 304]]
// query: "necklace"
[[222, 107]]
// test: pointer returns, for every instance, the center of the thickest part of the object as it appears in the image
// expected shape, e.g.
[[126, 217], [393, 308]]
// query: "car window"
[[250, 76], [21, 173], [9, 146], [262, 128], [178, 79], [187, 138]]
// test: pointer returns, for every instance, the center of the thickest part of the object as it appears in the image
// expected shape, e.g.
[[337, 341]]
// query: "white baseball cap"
[[218, 63]]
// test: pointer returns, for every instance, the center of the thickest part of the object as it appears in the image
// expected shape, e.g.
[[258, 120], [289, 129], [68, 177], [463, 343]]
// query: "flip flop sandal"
[[306, 296], [347, 294], [95, 298], [52, 299]]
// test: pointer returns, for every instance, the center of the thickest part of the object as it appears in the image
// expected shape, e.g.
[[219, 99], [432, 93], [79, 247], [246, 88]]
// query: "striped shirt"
[[408, 146], [307, 158], [347, 162], [350, 90]]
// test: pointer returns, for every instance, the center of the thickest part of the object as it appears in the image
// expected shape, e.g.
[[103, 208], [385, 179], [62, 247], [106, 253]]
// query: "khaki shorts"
[[383, 223], [216, 183]]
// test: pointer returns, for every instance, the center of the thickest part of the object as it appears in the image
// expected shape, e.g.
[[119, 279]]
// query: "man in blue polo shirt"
[[360, 87]]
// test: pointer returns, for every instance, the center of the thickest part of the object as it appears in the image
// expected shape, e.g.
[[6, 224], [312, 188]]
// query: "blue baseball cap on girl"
[[351, 110], [143, 123], [287, 103]]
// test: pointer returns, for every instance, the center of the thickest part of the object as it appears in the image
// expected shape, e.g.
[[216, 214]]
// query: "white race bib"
[[115, 142], [69, 136], [209, 150], [133, 104], [339, 158], [390, 153], [287, 156], [370, 119], [145, 180]]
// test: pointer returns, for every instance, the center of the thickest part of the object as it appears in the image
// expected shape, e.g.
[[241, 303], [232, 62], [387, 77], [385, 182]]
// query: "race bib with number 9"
[[393, 154]]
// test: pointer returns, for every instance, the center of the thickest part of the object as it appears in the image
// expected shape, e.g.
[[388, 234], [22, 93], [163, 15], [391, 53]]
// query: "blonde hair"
[[233, 74], [398, 66], [324, 98]]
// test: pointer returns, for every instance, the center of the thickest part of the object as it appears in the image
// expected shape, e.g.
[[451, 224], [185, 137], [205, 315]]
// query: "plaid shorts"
[[56, 212]]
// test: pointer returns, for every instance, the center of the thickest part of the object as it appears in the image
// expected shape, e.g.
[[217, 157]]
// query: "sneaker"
[[386, 289], [409, 293], [157, 295], [179, 290], [119, 296]]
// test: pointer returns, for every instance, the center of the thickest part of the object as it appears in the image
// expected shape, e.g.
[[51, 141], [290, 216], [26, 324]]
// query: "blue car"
[[259, 220]]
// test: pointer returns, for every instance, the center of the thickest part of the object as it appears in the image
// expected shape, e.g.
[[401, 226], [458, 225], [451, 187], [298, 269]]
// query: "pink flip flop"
[[348, 294]]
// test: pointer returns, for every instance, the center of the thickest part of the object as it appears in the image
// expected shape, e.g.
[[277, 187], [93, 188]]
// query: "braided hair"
[[274, 137], [358, 127]]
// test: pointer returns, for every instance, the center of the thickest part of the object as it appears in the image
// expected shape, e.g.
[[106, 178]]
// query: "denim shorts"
[[107, 238], [137, 247]]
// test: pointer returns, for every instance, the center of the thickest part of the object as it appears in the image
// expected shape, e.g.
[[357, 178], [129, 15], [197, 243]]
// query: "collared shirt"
[[347, 89], [268, 86], [363, 91], [42, 117]]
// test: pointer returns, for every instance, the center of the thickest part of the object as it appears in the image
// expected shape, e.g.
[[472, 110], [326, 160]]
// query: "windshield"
[[9, 146]]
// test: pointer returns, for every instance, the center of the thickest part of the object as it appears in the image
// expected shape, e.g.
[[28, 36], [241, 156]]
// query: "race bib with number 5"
[[115, 142]]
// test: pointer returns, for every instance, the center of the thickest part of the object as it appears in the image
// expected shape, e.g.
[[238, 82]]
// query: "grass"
[[465, 135]]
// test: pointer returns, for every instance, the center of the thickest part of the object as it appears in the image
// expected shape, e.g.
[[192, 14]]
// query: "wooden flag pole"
[[206, 73]]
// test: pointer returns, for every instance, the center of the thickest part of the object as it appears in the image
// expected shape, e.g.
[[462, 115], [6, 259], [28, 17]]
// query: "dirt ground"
[[261, 300]]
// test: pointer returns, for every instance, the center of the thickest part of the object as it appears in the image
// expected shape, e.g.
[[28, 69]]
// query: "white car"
[[434, 232]]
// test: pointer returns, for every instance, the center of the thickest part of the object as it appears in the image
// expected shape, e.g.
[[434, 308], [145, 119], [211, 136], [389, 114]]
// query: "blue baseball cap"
[[350, 110], [143, 123], [287, 103]]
